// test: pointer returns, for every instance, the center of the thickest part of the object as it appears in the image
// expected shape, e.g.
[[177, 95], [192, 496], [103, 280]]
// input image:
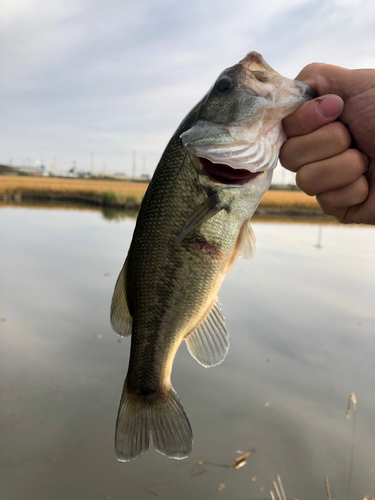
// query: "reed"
[[289, 199], [120, 193], [101, 191]]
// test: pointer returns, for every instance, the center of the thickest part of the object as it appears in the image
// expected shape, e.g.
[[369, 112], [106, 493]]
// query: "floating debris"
[[221, 487], [281, 486], [276, 488], [254, 479], [236, 464], [352, 400], [198, 469], [267, 404], [240, 461], [326, 483], [279, 489]]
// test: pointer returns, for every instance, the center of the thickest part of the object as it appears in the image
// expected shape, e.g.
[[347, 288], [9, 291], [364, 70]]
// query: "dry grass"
[[122, 192], [116, 191], [289, 199]]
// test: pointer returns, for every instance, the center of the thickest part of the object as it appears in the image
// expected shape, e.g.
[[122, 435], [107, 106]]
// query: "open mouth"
[[224, 174]]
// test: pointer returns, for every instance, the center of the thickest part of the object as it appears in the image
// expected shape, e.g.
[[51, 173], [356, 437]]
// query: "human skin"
[[331, 142]]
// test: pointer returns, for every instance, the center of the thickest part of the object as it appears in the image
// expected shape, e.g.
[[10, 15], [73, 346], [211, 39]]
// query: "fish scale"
[[192, 226]]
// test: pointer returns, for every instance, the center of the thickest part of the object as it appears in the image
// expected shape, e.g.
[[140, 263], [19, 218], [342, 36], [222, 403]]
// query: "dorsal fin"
[[245, 246], [121, 319], [209, 342]]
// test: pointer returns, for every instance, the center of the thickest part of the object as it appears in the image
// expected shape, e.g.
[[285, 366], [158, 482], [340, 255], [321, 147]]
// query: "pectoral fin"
[[245, 246], [204, 212], [121, 319], [209, 342]]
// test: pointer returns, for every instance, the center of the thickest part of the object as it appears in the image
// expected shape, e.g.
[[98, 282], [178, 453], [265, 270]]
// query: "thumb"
[[329, 79], [313, 115], [357, 89]]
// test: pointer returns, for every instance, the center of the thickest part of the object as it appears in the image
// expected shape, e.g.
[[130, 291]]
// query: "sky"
[[87, 82]]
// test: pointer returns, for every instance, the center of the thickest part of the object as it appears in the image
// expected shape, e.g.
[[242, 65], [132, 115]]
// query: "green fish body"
[[192, 226]]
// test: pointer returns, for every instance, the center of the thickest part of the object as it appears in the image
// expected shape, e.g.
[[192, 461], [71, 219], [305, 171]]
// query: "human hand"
[[340, 173]]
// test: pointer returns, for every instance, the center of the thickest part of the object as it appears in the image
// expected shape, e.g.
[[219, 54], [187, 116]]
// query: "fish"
[[192, 226]]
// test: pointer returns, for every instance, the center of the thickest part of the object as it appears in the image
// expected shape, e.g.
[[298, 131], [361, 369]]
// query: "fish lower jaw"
[[224, 174]]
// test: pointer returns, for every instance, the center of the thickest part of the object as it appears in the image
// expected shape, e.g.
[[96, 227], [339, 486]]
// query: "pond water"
[[301, 319]]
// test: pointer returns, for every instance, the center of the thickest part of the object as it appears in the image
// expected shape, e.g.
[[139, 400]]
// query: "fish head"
[[238, 132]]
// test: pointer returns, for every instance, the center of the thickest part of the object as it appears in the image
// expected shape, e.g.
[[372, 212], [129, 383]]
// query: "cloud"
[[72, 71]]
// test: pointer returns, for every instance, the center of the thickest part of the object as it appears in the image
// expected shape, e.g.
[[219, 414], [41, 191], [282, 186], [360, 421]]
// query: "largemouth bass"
[[192, 226]]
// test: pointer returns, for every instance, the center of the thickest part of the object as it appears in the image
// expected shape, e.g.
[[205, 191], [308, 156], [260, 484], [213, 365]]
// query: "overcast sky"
[[109, 77]]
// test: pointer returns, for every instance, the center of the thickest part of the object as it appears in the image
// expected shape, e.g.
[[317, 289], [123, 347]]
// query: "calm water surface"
[[301, 318]]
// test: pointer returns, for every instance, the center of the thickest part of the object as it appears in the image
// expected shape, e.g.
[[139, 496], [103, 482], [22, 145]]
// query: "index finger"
[[313, 115]]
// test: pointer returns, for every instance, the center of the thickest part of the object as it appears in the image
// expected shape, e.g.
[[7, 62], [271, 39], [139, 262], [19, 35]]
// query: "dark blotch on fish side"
[[203, 246]]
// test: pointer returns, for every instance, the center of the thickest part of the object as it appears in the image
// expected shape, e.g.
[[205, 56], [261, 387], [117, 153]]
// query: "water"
[[301, 319]]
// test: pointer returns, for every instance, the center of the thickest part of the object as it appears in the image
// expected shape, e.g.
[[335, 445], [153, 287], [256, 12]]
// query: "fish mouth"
[[224, 174]]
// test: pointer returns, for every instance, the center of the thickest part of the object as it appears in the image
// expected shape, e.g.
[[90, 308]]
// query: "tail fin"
[[163, 418]]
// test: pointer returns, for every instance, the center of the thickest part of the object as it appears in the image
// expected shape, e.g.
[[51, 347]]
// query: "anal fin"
[[121, 319], [245, 246], [209, 342]]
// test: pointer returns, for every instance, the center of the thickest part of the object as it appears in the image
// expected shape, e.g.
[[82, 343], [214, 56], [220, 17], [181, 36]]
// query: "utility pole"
[[134, 162], [92, 163]]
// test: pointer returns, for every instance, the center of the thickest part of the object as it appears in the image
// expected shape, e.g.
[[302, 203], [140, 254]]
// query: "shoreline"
[[123, 195]]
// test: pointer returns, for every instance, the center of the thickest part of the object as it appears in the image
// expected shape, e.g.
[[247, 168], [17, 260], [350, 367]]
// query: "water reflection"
[[301, 321], [113, 214], [108, 213]]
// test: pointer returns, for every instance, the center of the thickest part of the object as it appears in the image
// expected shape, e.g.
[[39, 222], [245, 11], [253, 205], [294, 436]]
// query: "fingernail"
[[329, 106]]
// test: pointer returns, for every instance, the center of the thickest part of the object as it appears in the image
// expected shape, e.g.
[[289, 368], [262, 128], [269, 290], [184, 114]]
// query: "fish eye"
[[224, 86]]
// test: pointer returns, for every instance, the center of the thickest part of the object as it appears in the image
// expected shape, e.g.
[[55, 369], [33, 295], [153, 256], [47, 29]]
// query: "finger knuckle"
[[303, 180], [312, 69], [329, 209], [288, 155], [325, 205], [340, 135], [354, 162], [362, 188], [284, 156]]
